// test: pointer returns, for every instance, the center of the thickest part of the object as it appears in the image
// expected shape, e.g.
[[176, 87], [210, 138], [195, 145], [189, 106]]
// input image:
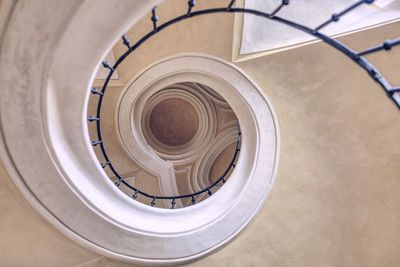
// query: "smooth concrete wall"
[[336, 199]]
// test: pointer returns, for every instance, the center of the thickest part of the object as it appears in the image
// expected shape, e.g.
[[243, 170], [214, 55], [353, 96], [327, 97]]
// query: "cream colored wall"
[[27, 239], [336, 200]]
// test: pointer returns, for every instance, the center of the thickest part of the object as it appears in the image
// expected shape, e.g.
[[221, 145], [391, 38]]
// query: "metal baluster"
[[154, 18], [95, 143], [230, 5], [385, 46], [191, 4], [135, 195], [96, 92], [103, 165], [126, 42], [107, 65], [93, 118], [284, 3], [336, 16]]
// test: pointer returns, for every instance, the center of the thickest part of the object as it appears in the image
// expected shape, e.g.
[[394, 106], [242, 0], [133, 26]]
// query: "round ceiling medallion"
[[188, 125], [174, 121]]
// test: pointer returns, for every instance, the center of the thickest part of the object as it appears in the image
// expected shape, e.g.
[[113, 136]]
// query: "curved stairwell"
[[168, 155]]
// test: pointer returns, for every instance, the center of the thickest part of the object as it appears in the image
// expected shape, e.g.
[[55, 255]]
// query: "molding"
[[207, 127], [202, 167], [46, 148], [238, 30], [214, 132]]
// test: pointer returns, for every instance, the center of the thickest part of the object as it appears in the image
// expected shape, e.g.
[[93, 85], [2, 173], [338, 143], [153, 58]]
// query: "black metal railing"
[[357, 57]]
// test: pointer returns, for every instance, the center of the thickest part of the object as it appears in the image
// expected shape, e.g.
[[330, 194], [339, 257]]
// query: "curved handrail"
[[357, 57]]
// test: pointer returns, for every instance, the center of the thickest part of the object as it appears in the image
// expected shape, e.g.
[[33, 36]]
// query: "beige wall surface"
[[336, 199]]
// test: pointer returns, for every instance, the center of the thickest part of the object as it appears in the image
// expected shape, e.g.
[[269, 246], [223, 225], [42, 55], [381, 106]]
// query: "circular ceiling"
[[174, 121]]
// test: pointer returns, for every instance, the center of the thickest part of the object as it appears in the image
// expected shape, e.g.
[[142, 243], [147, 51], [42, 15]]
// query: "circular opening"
[[208, 84], [174, 121], [221, 216], [187, 125]]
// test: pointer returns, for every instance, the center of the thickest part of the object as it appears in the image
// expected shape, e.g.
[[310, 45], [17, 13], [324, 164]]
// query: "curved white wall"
[[66, 183], [336, 199]]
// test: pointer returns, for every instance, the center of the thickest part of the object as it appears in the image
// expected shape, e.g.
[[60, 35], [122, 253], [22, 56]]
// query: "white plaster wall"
[[264, 35]]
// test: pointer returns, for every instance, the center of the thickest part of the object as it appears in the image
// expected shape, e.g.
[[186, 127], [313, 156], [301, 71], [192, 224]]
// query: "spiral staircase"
[[157, 149]]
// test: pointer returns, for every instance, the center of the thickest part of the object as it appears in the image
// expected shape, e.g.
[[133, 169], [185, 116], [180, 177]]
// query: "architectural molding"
[[202, 167], [63, 179], [207, 125]]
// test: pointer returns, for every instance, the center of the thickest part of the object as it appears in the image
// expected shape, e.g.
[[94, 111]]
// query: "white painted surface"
[[261, 34], [384, 3], [46, 148]]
